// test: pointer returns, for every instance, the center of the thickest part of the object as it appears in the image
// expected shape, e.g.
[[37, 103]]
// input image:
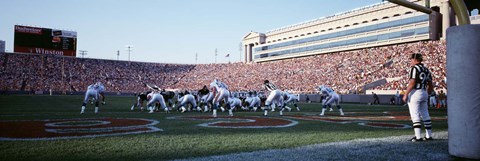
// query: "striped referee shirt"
[[270, 87], [421, 75]]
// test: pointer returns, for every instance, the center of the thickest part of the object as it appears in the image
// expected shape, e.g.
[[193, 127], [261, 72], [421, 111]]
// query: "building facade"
[[375, 25]]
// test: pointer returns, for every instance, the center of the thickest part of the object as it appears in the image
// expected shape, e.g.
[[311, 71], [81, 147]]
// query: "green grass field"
[[182, 138]]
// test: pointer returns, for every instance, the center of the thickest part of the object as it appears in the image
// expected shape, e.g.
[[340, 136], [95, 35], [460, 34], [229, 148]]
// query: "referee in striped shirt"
[[275, 96], [420, 80]]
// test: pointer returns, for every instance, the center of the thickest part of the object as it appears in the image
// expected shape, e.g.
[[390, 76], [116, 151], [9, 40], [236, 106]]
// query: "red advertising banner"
[[44, 41]]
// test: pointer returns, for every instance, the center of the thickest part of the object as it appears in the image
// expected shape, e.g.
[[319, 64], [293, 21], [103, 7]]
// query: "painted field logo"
[[74, 128], [241, 122]]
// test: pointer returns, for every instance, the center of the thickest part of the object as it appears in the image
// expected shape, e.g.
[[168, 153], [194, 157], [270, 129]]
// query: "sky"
[[164, 31]]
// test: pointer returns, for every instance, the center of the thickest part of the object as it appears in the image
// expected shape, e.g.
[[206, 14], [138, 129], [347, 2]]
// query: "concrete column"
[[446, 13], [463, 76], [250, 52], [245, 53]]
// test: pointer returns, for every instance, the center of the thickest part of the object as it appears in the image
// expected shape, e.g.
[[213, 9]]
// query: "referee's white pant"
[[274, 97], [417, 104]]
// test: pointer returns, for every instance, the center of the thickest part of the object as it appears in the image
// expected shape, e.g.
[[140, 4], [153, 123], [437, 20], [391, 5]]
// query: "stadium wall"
[[255, 43]]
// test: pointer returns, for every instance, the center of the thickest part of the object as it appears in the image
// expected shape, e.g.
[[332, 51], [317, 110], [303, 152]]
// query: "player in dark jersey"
[[203, 96], [169, 97], [140, 98]]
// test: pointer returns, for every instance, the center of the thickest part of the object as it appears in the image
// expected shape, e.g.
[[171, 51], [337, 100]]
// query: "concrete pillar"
[[446, 13], [250, 48], [245, 53], [463, 100]]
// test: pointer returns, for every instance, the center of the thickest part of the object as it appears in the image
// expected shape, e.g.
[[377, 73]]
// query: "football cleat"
[[428, 139], [414, 139]]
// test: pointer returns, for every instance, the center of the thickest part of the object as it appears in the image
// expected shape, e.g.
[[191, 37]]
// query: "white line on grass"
[[388, 148]]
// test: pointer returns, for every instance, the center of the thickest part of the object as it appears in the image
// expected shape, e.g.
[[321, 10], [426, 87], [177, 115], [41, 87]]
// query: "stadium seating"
[[346, 71]]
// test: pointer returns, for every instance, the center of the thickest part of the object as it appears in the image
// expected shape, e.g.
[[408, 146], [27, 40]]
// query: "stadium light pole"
[[129, 49], [83, 53], [240, 51], [216, 55], [196, 58], [118, 54]]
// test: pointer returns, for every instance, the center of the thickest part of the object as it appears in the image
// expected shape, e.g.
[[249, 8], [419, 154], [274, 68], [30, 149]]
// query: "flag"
[[228, 55]]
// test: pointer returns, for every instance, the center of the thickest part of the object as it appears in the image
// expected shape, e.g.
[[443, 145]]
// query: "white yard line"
[[388, 148]]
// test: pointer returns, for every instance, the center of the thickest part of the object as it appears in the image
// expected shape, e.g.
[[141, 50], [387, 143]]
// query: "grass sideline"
[[180, 138]]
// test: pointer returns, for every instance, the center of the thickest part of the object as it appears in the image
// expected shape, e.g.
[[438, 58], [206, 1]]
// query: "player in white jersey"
[[155, 97], [290, 99], [332, 97], [101, 91], [275, 97], [252, 101], [220, 92], [92, 91], [187, 98], [234, 102]]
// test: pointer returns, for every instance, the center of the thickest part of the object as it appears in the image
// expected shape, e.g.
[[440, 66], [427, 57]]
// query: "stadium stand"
[[347, 71]]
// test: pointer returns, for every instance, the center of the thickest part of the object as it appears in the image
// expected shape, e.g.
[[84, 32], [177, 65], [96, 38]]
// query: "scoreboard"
[[44, 41]]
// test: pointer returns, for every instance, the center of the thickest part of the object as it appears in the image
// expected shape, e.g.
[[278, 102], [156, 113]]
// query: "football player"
[[234, 102], [187, 98], [220, 92], [331, 97], [101, 91], [251, 102], [169, 97], [155, 97], [140, 98], [92, 91], [290, 99], [205, 98]]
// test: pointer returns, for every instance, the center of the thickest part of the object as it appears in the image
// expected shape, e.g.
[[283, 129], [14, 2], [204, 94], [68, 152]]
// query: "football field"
[[40, 127]]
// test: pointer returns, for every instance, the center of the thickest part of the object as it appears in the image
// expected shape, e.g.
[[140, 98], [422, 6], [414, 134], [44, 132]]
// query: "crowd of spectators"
[[346, 72]]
